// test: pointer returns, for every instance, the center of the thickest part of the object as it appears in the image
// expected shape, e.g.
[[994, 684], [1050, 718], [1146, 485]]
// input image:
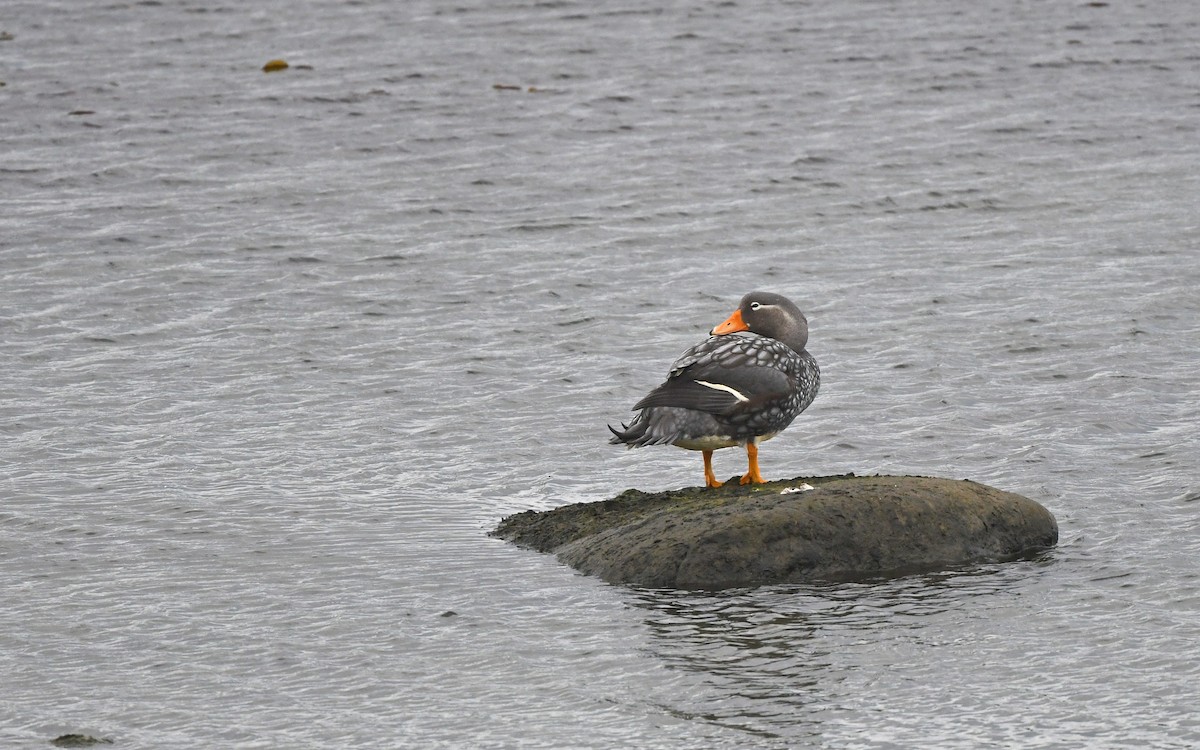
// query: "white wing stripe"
[[727, 389]]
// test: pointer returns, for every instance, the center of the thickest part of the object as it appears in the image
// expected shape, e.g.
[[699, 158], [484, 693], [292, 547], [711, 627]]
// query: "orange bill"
[[732, 324]]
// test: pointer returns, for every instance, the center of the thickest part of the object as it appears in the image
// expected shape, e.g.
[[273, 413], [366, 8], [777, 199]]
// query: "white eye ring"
[[755, 305]]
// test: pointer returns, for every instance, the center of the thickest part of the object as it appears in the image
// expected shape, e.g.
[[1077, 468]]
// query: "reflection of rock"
[[848, 527]]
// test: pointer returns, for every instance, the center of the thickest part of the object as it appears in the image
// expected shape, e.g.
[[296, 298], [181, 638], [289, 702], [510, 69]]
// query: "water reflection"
[[782, 660]]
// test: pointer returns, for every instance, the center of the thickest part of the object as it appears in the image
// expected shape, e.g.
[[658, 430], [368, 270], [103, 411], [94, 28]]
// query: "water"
[[280, 349]]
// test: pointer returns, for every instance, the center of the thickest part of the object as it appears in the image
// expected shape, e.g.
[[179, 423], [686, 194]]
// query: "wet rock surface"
[[844, 528]]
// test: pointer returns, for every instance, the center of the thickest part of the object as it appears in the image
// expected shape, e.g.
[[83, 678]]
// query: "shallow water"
[[280, 350]]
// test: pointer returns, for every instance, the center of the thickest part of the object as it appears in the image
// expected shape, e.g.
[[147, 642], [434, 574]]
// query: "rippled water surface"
[[279, 350]]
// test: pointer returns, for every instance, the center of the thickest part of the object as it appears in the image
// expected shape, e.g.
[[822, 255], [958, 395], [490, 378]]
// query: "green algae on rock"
[[844, 528]]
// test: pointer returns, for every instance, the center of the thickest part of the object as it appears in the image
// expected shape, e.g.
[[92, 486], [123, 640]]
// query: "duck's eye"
[[755, 305]]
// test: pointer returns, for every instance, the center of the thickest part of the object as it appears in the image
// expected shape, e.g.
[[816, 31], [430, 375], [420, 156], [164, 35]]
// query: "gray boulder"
[[845, 528]]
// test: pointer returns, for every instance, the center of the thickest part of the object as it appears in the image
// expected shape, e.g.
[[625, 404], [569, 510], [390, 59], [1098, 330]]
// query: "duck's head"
[[770, 315]]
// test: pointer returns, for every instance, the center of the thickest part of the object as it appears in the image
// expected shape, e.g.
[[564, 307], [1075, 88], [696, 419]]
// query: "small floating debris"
[[791, 490], [275, 65], [511, 87]]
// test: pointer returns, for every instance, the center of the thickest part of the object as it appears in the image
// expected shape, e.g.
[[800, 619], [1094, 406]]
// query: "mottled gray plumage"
[[734, 388]]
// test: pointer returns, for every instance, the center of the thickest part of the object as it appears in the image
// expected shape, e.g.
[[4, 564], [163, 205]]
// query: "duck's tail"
[[649, 427], [633, 435]]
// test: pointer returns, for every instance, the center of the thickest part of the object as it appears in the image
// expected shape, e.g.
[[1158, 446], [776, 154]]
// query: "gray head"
[[771, 315]]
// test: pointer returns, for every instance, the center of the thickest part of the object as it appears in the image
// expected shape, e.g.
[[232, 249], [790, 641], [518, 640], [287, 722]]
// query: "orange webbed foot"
[[710, 479], [752, 476]]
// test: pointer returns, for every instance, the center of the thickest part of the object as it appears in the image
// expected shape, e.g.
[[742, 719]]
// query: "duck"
[[744, 384]]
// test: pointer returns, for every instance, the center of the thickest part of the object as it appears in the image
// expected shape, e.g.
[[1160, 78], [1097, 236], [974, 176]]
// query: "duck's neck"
[[797, 339]]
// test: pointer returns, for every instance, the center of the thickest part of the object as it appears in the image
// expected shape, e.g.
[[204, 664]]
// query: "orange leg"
[[710, 479], [752, 457]]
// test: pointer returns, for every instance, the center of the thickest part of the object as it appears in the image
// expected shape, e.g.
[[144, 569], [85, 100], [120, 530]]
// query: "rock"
[[79, 740], [845, 528]]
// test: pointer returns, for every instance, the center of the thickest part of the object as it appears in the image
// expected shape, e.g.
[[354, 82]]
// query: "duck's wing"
[[725, 375]]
